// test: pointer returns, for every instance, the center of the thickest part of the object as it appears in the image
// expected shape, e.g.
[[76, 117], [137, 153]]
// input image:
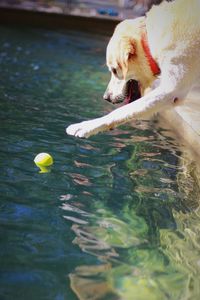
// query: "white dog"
[[161, 48]]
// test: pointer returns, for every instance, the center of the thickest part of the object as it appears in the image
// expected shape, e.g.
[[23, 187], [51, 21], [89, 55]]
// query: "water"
[[118, 215]]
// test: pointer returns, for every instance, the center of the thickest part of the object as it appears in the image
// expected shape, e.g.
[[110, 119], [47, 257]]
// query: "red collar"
[[152, 63]]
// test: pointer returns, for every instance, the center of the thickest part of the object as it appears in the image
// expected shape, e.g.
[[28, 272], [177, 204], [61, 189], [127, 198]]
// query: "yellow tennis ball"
[[43, 160]]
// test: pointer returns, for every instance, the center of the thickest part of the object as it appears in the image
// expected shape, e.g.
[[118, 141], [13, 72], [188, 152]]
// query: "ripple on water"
[[118, 212], [126, 241]]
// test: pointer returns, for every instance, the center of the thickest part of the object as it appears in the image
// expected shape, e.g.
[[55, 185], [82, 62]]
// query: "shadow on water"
[[118, 215]]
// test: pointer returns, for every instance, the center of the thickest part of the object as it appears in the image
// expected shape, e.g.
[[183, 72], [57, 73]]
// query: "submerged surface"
[[118, 215]]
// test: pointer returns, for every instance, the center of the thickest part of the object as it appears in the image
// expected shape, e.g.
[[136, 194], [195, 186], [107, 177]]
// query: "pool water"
[[117, 216]]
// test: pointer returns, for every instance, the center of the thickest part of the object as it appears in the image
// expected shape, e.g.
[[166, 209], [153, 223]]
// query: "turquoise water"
[[117, 216]]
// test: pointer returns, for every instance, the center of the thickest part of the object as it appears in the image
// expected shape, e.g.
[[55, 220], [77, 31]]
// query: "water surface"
[[118, 215]]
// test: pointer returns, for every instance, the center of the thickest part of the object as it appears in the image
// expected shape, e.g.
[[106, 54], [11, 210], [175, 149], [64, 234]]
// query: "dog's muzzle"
[[130, 93]]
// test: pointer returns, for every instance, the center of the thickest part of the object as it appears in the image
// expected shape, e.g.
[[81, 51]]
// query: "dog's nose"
[[107, 96]]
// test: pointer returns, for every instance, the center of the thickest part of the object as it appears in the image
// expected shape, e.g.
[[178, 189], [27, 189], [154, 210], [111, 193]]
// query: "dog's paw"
[[86, 128]]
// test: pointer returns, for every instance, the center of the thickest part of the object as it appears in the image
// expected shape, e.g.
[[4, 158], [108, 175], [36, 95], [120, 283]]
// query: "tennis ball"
[[43, 160]]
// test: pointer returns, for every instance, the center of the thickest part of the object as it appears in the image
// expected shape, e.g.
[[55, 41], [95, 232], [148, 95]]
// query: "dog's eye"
[[114, 71]]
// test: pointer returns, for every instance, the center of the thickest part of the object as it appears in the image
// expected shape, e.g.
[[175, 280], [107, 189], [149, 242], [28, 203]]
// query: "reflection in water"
[[152, 243], [90, 282], [183, 246]]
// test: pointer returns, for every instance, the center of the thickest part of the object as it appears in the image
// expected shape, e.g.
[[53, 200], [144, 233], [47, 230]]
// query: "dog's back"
[[172, 22]]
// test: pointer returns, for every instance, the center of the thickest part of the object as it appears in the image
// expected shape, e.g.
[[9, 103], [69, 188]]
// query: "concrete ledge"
[[190, 111], [185, 121]]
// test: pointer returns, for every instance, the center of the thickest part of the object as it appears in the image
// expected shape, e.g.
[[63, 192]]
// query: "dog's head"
[[126, 60]]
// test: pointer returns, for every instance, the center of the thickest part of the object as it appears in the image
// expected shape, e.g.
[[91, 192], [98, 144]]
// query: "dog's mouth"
[[133, 91]]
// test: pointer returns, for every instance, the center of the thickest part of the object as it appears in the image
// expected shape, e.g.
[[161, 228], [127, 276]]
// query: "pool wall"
[[9, 16]]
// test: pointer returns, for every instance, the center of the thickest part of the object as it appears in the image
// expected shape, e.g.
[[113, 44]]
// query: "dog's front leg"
[[174, 85], [88, 128], [144, 107]]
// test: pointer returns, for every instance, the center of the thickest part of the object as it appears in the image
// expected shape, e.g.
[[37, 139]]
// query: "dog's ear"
[[128, 52], [130, 49]]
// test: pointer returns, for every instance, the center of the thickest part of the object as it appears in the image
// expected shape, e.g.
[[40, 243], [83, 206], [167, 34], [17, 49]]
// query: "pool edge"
[[21, 17]]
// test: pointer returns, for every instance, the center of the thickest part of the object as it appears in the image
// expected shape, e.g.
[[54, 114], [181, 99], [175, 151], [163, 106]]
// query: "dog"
[[154, 62]]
